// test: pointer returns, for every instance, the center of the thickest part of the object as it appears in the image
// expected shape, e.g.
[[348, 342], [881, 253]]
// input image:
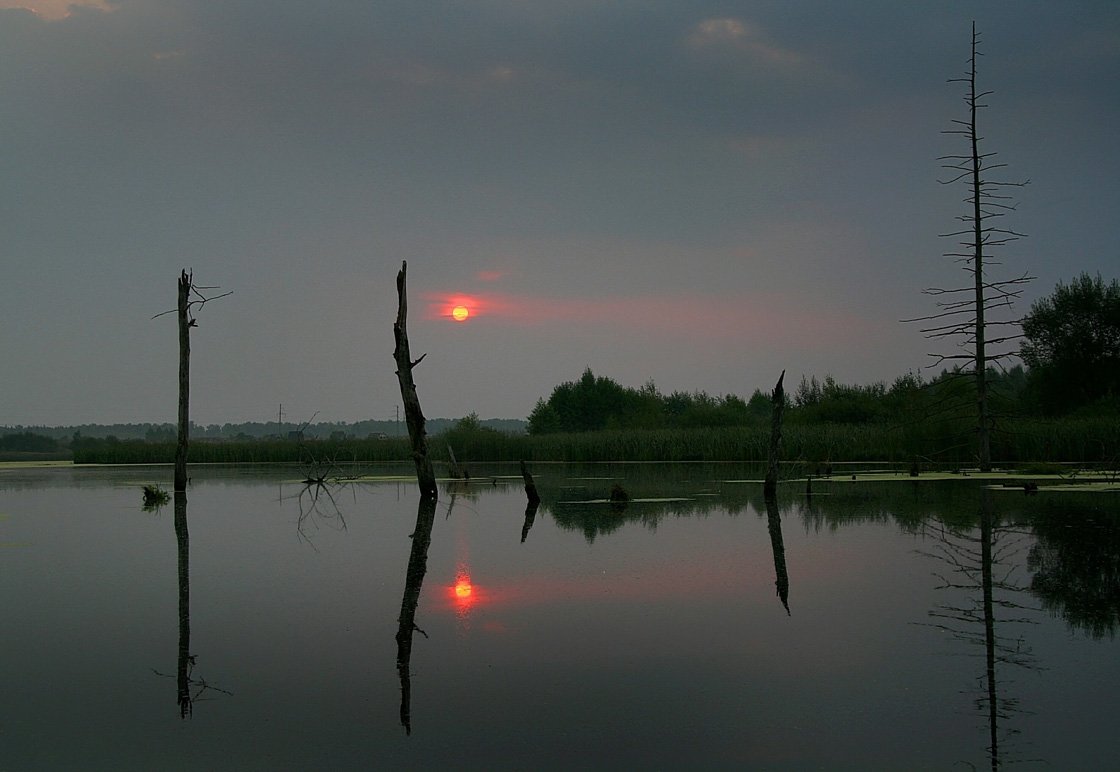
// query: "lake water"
[[929, 625]]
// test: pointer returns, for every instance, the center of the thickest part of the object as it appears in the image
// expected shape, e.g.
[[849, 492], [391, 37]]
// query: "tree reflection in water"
[[189, 688], [981, 567], [774, 525], [1076, 566], [318, 507], [414, 580], [530, 515], [185, 661]]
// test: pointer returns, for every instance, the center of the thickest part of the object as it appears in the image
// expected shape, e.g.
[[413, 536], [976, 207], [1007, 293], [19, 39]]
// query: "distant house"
[[296, 436]]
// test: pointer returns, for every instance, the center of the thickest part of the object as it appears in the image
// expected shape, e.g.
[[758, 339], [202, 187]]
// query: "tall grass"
[[1085, 441]]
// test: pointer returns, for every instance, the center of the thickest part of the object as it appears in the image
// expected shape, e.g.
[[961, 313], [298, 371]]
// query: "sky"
[[701, 194]]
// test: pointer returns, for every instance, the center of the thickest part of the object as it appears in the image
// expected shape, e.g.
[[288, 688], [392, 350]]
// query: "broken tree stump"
[[778, 401], [530, 485], [414, 416]]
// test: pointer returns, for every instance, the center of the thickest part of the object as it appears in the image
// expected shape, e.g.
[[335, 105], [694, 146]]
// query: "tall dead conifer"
[[966, 313]]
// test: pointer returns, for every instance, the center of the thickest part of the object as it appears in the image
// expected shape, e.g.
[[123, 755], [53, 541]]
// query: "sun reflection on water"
[[464, 596]]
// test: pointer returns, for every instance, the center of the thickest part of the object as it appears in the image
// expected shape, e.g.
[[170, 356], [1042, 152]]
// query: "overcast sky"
[[698, 193]]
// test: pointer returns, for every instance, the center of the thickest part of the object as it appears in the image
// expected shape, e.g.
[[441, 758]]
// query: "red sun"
[[463, 589], [460, 313]]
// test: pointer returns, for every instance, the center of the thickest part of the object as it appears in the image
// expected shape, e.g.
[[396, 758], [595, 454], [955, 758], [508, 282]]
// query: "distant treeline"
[[165, 432], [596, 419], [942, 443], [30, 446]]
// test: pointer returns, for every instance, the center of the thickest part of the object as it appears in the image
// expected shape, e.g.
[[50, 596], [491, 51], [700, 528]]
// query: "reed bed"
[[1082, 441]]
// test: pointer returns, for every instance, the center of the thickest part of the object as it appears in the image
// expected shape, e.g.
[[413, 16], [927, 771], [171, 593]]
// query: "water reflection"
[[189, 687], [981, 567], [318, 508], [1076, 566], [182, 540], [530, 516], [414, 580], [774, 525], [592, 640]]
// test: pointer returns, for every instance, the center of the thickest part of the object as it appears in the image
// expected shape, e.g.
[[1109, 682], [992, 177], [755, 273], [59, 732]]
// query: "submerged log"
[[414, 416], [778, 400]]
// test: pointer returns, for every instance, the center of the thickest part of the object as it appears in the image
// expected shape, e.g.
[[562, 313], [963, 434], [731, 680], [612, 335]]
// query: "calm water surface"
[[929, 626]]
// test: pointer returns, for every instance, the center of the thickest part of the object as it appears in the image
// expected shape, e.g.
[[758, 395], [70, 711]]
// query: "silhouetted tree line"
[[28, 442], [1071, 344], [595, 403]]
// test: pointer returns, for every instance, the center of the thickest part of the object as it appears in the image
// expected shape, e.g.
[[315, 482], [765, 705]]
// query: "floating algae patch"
[[904, 476], [381, 478], [1095, 486], [667, 500]]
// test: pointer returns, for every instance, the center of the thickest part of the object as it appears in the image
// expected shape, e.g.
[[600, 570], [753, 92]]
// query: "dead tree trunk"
[[979, 237], [184, 380], [530, 485], [778, 400], [414, 416], [190, 296]]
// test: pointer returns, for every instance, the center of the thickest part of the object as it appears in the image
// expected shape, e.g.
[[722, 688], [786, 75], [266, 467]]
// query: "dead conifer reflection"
[[982, 567], [414, 580]]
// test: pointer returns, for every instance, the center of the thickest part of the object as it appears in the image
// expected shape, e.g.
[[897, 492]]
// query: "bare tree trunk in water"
[[530, 485], [413, 415], [778, 400], [184, 381]]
